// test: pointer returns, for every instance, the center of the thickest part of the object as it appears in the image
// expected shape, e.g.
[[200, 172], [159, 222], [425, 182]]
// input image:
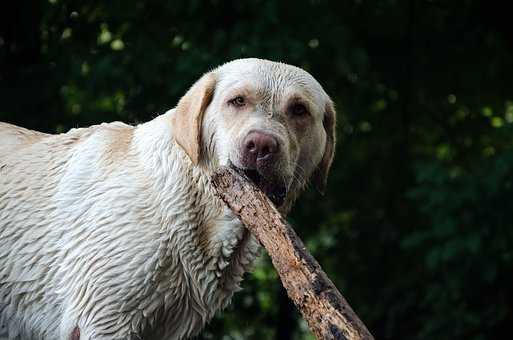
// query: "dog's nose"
[[259, 147]]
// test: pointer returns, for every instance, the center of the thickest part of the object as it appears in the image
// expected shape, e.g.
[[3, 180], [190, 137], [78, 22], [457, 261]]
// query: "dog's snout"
[[258, 147], [260, 156]]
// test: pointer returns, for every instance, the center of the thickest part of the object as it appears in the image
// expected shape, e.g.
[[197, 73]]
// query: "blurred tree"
[[416, 227]]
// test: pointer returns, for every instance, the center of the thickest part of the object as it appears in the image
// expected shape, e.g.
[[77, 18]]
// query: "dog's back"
[[13, 137], [26, 187], [34, 168]]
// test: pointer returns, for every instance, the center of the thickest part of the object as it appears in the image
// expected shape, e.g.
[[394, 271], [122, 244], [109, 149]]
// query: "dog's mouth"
[[275, 190]]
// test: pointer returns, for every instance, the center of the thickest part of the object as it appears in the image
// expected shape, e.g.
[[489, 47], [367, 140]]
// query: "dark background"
[[416, 227]]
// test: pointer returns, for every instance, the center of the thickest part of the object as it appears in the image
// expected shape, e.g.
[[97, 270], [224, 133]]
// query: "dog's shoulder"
[[112, 140]]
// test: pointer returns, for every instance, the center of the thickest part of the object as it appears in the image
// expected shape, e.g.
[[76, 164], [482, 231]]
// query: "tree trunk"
[[327, 313]]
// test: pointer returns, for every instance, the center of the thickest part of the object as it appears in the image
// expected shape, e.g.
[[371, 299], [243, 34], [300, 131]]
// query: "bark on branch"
[[327, 313]]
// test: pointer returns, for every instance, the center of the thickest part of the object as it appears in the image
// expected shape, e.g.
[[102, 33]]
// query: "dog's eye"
[[298, 110], [238, 101]]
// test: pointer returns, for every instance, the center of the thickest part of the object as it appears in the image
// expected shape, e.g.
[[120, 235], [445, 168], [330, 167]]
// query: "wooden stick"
[[327, 313]]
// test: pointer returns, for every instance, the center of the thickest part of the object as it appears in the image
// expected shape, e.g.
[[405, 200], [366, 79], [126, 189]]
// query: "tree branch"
[[327, 313]]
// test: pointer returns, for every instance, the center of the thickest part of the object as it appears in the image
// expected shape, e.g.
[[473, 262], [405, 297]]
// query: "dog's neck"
[[203, 249]]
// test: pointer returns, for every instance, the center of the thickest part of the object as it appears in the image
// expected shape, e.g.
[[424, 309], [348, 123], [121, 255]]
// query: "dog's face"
[[272, 121]]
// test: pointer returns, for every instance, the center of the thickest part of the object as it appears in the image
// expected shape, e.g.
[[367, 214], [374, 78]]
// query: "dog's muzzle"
[[273, 188]]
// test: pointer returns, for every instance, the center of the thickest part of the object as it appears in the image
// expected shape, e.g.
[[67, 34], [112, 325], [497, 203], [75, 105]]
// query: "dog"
[[114, 231]]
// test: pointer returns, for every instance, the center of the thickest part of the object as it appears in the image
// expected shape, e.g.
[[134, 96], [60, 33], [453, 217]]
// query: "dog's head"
[[271, 120]]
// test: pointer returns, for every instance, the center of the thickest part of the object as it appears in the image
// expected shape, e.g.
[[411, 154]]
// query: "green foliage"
[[416, 227]]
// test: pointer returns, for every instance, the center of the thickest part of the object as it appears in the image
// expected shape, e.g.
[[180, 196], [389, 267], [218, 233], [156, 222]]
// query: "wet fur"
[[113, 231]]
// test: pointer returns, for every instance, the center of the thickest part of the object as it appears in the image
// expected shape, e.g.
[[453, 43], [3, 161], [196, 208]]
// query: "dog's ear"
[[320, 176], [188, 117]]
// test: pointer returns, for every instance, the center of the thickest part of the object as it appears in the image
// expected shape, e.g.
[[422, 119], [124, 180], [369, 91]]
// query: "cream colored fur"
[[114, 230]]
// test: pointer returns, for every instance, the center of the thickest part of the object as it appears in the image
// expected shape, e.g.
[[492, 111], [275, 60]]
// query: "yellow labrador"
[[113, 231]]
